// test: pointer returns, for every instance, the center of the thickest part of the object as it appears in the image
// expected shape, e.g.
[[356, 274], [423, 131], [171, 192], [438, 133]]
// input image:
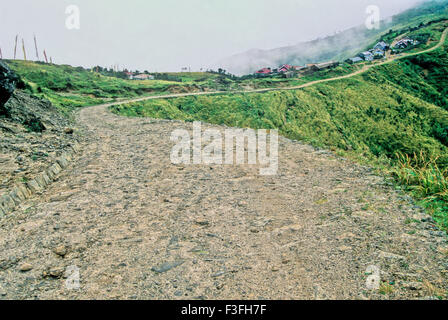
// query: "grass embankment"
[[394, 117], [69, 87]]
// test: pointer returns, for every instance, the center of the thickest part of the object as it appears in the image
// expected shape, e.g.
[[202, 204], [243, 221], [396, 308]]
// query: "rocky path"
[[138, 227]]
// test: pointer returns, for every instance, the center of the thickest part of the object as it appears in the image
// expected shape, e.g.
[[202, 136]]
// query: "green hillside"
[[69, 87]]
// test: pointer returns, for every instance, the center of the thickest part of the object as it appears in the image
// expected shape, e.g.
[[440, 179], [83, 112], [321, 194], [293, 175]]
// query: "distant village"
[[290, 71], [379, 51], [114, 71]]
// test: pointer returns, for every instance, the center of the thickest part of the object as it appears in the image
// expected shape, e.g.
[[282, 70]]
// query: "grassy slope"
[[69, 87], [396, 108]]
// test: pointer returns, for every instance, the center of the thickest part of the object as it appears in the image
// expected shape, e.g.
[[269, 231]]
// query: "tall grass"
[[423, 176], [427, 181]]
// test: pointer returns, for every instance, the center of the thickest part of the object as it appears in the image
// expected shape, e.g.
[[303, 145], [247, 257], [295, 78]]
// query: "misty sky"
[[165, 35]]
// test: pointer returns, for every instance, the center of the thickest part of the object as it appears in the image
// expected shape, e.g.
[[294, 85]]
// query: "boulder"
[[8, 82], [37, 115]]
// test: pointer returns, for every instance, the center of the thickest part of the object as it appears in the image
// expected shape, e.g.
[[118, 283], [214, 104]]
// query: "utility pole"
[[24, 51], [15, 48], [1, 54], [35, 45], [45, 56]]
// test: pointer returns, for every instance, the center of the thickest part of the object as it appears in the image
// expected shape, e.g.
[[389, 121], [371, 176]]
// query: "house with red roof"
[[285, 68], [264, 71], [130, 75]]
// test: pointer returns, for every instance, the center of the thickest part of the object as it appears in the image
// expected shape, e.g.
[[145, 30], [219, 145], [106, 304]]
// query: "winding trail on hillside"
[[138, 227], [364, 69]]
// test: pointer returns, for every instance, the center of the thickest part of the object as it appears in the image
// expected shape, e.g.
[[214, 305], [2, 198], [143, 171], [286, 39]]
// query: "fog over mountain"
[[319, 50], [341, 45]]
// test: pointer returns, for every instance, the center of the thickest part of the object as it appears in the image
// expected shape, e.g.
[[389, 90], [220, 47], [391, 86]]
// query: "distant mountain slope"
[[340, 46]]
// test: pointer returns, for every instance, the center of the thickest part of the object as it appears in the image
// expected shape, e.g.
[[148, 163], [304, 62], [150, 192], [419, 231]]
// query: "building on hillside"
[[309, 69], [354, 60], [285, 68], [367, 55], [402, 44], [142, 77], [378, 54], [299, 68], [263, 72], [290, 74], [383, 46], [289, 71], [405, 43], [312, 66], [130, 75], [327, 65]]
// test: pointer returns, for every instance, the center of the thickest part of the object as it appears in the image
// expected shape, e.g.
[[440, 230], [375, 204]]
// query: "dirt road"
[[137, 226]]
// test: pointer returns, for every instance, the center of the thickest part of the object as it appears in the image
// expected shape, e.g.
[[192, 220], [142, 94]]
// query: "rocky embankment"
[[33, 136], [8, 82]]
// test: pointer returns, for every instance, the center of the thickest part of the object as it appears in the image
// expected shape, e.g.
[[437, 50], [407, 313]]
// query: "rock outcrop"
[[33, 136], [34, 113], [8, 82]]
